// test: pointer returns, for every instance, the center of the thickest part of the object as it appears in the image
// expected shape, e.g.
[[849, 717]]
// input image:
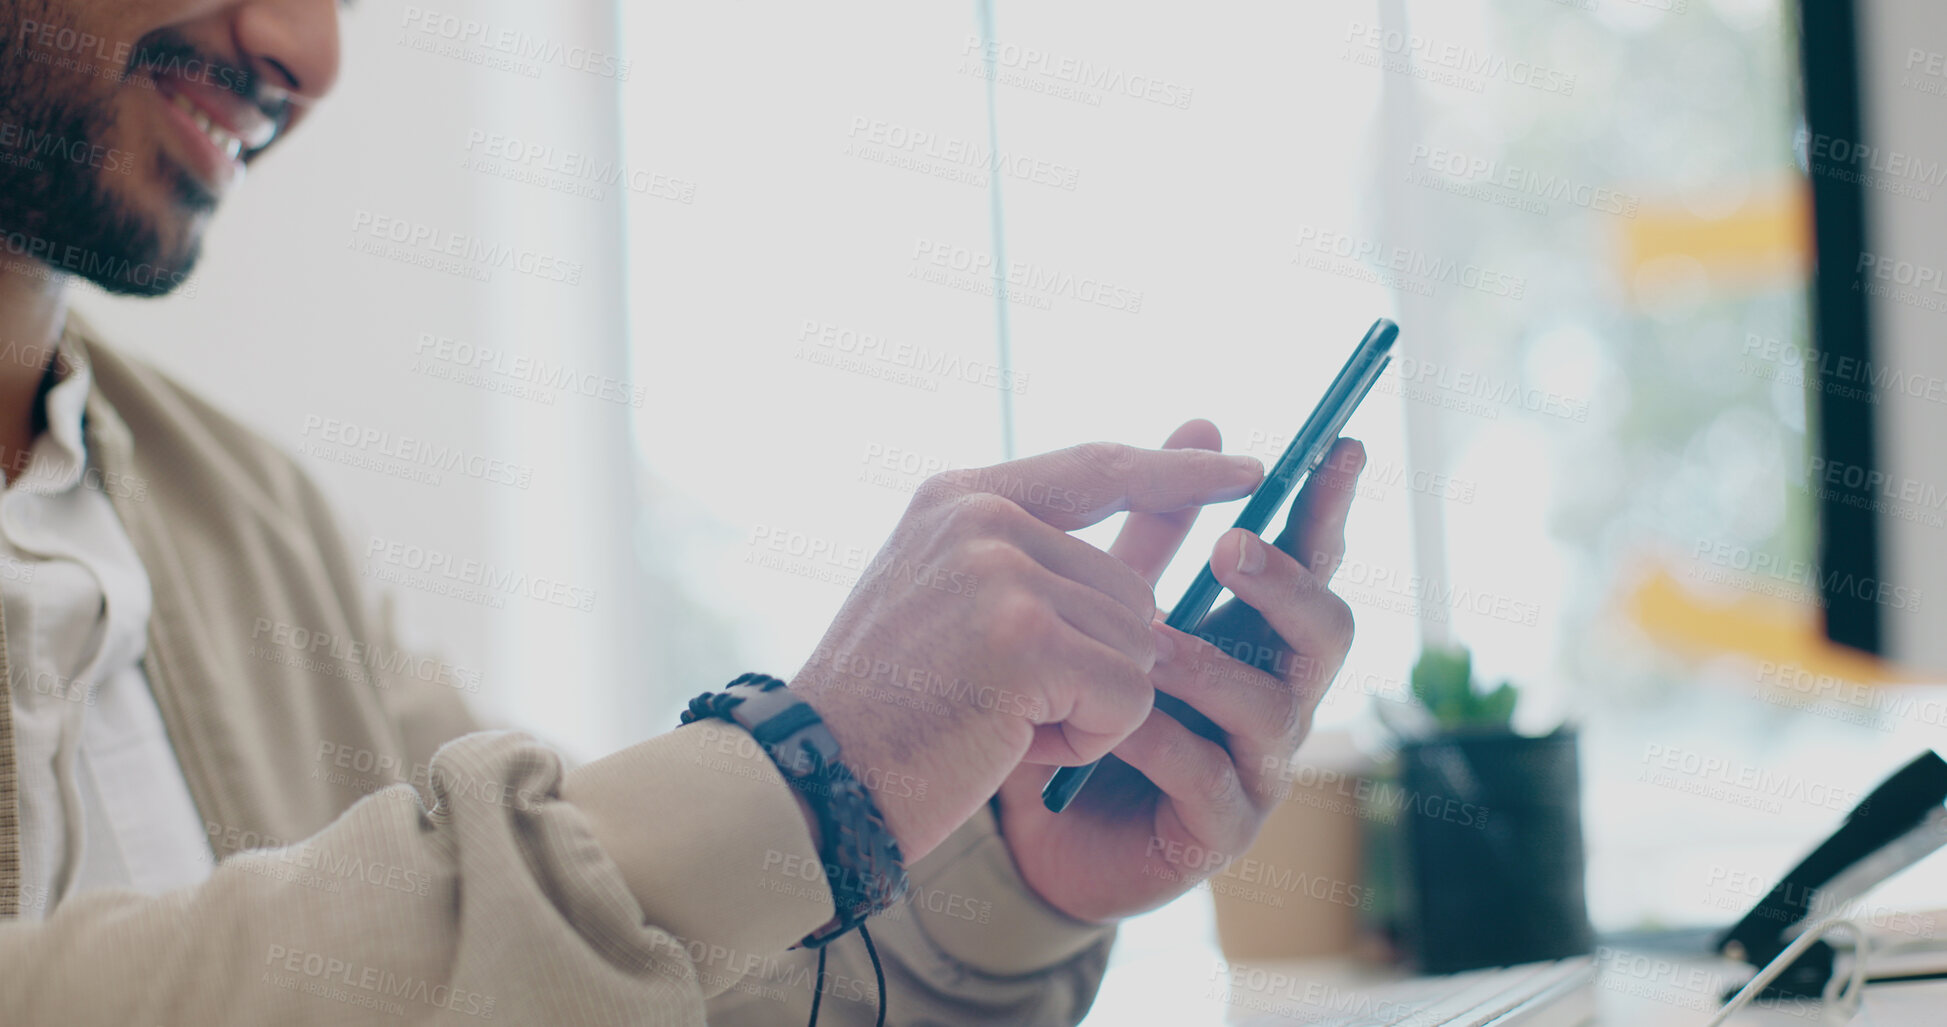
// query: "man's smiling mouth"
[[220, 137], [219, 128]]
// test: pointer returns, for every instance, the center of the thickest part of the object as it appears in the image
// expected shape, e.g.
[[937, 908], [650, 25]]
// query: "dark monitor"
[[1875, 145]]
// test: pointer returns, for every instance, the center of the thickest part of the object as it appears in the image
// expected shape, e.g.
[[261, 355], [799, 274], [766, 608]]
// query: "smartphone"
[[1300, 459]]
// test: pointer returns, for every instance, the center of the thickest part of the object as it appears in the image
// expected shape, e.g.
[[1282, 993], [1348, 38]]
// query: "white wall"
[[289, 321], [1186, 179]]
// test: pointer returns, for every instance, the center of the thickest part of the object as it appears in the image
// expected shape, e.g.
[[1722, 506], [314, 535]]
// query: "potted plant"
[[1489, 861]]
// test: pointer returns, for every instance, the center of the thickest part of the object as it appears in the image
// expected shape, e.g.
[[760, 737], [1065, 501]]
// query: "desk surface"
[[1632, 989], [1166, 968]]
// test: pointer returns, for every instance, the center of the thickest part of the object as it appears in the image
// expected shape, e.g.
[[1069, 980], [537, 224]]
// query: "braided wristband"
[[861, 857]]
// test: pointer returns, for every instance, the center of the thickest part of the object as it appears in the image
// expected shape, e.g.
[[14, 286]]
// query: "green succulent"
[[1443, 681]]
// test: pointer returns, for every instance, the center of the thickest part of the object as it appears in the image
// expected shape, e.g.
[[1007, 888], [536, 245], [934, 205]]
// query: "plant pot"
[[1490, 844]]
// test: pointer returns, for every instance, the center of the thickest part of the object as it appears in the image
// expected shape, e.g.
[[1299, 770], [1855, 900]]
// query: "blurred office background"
[[1589, 217]]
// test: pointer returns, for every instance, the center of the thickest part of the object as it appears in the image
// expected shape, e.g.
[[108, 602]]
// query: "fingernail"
[[1249, 463], [1250, 553], [1165, 645]]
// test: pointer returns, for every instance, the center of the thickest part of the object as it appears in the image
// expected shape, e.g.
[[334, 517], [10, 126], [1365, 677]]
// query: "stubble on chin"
[[67, 213]]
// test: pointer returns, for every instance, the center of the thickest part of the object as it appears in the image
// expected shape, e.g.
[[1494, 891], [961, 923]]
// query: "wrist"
[[861, 857], [810, 819], [928, 768]]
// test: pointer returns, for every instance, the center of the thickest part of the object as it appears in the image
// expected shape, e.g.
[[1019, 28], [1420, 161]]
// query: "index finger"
[[1075, 487]]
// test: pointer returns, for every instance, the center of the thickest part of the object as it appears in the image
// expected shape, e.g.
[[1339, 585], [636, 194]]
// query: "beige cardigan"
[[364, 879]]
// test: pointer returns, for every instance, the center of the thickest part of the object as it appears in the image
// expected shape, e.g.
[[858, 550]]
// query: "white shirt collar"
[[60, 454]]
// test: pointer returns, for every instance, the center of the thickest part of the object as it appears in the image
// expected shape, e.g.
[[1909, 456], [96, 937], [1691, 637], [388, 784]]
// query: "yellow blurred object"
[[1762, 627], [1761, 243]]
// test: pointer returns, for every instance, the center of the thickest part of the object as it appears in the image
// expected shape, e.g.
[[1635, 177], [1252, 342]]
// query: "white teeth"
[[220, 137]]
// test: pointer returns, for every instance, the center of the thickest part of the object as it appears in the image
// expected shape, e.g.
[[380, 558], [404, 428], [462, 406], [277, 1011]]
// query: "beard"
[[63, 212]]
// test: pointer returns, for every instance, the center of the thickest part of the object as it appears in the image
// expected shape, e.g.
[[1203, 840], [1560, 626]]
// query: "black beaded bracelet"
[[862, 861]]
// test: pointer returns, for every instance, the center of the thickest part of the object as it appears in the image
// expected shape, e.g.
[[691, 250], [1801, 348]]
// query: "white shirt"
[[103, 802]]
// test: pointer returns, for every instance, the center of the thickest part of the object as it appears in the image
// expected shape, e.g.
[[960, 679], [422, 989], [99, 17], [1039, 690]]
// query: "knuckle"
[[986, 511], [1127, 630], [992, 559], [1110, 458], [943, 487], [1210, 782], [1299, 725], [1315, 563], [1018, 615], [1131, 678], [1177, 756], [1292, 717], [1137, 627], [1217, 784], [1340, 625], [1143, 599]]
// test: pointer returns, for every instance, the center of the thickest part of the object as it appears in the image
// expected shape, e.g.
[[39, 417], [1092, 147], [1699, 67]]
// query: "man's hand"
[[984, 634], [1173, 806]]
